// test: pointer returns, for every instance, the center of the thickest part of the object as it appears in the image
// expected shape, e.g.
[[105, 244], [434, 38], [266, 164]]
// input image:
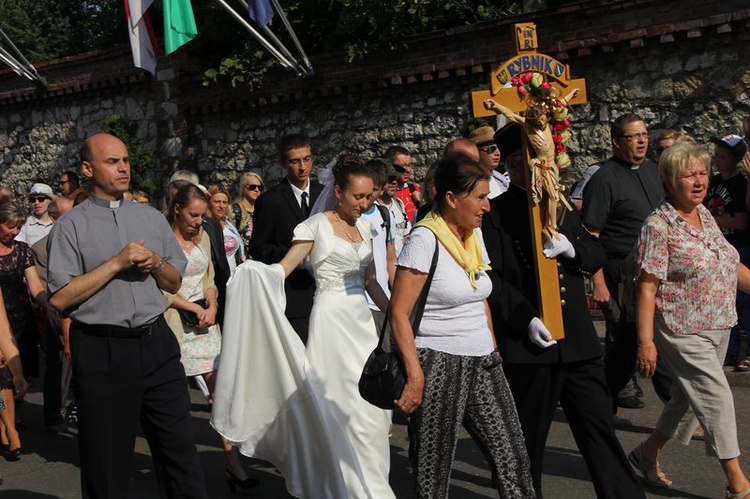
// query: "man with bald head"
[[109, 261], [462, 146]]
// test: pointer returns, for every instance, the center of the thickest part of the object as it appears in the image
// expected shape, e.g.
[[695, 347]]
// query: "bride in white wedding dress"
[[301, 410]]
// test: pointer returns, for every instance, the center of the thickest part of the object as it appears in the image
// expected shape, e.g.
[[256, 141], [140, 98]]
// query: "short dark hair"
[[457, 173], [394, 151], [72, 177], [617, 129], [292, 141], [379, 171], [348, 166]]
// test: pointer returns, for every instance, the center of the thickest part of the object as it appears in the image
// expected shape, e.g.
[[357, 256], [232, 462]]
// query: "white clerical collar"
[[106, 203]]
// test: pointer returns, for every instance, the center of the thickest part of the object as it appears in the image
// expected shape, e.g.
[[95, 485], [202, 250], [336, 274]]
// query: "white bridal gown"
[[301, 410]]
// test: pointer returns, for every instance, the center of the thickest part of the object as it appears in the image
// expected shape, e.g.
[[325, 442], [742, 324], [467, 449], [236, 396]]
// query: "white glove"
[[539, 335], [562, 246]]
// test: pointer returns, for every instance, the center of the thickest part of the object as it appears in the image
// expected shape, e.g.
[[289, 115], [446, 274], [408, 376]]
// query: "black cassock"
[[572, 371]]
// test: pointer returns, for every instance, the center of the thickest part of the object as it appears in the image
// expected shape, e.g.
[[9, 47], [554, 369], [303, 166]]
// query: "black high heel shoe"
[[234, 482], [13, 455]]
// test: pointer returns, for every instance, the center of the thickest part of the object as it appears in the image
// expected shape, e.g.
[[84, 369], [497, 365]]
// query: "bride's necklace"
[[353, 240]]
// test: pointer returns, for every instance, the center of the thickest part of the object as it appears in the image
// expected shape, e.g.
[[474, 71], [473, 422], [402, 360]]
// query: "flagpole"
[[308, 66], [299, 69], [33, 75], [278, 55]]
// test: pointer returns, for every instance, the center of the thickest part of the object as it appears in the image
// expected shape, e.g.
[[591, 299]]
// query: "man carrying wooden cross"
[[545, 180]]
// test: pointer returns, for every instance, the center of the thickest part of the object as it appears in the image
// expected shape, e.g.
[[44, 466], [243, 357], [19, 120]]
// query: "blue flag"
[[260, 11]]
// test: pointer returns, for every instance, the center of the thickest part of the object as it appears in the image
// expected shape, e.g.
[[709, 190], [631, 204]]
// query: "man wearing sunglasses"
[[407, 192], [489, 159], [39, 223]]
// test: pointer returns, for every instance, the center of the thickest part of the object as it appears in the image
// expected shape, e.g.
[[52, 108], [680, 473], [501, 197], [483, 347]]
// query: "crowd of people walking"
[[270, 302]]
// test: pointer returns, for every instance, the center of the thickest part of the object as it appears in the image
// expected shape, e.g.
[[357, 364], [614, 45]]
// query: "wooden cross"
[[526, 60]]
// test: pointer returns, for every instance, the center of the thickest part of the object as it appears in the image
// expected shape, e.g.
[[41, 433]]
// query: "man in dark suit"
[[542, 372], [277, 213]]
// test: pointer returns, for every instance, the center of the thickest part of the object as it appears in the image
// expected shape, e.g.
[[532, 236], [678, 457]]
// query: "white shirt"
[[298, 193], [454, 319], [499, 183], [399, 220], [379, 250], [33, 230]]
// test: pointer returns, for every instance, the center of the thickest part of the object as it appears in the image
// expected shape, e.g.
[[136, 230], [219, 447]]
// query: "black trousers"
[[52, 389], [119, 382], [619, 360], [582, 392]]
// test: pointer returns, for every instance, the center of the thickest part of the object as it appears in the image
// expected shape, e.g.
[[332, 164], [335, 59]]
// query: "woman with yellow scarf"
[[453, 373]]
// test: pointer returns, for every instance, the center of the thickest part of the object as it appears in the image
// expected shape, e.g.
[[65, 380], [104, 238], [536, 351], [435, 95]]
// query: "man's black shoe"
[[630, 402]]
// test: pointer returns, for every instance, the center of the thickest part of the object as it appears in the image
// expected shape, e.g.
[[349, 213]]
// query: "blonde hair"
[[191, 177], [245, 179], [240, 200], [674, 161], [12, 214], [675, 135]]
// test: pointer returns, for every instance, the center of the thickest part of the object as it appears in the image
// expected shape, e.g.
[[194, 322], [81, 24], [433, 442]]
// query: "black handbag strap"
[[419, 310], [421, 301]]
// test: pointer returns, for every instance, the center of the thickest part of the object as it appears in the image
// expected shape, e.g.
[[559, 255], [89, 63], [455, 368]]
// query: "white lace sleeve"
[[418, 250]]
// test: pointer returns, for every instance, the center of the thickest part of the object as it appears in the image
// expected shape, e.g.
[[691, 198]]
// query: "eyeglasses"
[[489, 149], [40, 199], [635, 136], [296, 162], [63, 182], [255, 187]]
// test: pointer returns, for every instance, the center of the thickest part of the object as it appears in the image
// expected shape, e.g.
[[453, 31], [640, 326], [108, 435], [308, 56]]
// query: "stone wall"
[[692, 75]]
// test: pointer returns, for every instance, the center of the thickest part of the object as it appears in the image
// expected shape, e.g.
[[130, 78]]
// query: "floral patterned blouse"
[[698, 270]]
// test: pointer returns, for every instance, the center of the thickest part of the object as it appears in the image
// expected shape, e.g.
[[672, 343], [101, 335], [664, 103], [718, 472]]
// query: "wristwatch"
[[159, 265]]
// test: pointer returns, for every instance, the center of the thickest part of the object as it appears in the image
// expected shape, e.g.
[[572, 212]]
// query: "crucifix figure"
[[545, 179]]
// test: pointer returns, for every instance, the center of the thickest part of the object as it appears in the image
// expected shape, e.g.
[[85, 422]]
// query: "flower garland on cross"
[[535, 88], [545, 124]]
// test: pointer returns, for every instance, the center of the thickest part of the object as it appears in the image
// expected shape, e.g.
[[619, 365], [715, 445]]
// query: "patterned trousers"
[[461, 390]]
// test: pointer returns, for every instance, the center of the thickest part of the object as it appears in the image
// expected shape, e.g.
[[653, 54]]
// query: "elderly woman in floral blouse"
[[686, 306]]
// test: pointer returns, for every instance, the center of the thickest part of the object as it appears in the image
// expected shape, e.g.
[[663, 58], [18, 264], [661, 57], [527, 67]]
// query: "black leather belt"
[[106, 331]]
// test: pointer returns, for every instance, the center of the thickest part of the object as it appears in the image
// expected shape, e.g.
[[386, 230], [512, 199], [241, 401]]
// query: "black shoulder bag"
[[383, 377]]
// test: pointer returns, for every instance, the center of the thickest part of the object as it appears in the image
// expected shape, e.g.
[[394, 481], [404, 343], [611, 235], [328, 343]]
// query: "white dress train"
[[301, 410]]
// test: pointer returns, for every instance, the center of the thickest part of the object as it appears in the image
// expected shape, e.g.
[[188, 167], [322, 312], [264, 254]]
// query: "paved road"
[[50, 469]]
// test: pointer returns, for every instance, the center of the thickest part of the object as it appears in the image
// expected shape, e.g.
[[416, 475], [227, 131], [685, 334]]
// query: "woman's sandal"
[[743, 366], [651, 472], [739, 495]]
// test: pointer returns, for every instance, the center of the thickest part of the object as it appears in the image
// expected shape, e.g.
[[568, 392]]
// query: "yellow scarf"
[[469, 257]]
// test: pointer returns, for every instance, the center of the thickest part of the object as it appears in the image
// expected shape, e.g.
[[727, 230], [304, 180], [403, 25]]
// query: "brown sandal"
[[651, 471]]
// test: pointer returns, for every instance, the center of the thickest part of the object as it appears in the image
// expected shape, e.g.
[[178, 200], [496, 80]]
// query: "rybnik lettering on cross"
[[534, 90]]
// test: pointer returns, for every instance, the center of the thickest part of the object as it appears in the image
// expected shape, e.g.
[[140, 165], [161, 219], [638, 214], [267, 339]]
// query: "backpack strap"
[[386, 215]]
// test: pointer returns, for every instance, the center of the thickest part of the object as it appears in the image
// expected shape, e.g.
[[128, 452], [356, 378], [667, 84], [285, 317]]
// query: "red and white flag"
[[142, 39]]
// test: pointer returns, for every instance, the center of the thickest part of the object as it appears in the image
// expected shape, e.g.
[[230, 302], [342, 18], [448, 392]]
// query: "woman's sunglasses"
[[255, 187]]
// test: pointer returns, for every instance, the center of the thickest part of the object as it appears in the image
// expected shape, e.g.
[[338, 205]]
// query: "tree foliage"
[[141, 157], [351, 28], [47, 29]]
